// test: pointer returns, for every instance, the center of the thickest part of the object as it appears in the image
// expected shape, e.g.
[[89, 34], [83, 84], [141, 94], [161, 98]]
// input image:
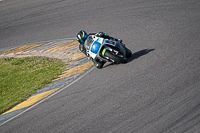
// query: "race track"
[[157, 91]]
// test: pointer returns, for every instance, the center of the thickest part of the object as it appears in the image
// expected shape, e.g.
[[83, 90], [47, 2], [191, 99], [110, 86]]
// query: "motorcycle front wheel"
[[115, 58]]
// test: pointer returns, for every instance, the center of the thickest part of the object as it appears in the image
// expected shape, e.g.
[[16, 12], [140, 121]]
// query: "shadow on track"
[[134, 56], [139, 54]]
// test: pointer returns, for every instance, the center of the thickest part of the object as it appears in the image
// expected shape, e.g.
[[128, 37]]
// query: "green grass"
[[22, 77]]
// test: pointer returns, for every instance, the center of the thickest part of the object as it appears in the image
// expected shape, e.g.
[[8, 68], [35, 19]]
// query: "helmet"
[[81, 36]]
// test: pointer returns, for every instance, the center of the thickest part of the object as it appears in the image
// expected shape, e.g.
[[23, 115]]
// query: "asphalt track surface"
[[156, 91]]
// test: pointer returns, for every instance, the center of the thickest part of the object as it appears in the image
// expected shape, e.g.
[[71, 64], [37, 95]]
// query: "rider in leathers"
[[81, 36]]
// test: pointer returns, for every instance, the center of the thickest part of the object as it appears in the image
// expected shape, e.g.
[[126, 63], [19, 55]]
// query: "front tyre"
[[98, 64], [115, 58]]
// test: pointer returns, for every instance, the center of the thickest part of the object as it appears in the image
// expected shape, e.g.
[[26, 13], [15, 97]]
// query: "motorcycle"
[[106, 50]]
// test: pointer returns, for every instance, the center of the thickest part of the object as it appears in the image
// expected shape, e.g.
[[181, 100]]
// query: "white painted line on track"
[[85, 73]]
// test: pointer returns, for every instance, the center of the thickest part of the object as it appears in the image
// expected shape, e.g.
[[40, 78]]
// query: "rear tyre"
[[128, 53], [115, 58]]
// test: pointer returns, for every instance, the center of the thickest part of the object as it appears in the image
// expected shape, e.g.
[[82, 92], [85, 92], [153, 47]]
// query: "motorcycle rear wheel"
[[128, 53], [115, 57]]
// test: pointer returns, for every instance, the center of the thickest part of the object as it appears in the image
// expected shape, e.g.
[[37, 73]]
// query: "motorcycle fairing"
[[95, 47], [115, 44], [94, 44]]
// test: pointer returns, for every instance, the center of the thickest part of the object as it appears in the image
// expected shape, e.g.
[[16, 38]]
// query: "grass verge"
[[22, 77]]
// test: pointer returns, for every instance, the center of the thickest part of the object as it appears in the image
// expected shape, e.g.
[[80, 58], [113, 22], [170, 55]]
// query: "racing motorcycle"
[[106, 50]]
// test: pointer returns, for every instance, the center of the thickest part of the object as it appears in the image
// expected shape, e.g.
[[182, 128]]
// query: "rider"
[[81, 36]]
